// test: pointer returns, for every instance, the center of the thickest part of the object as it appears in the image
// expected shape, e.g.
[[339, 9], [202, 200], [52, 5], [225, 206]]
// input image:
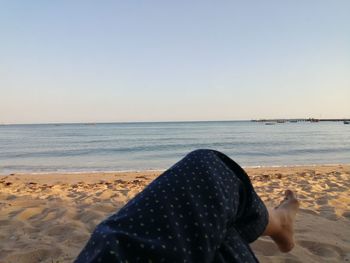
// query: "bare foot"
[[281, 222]]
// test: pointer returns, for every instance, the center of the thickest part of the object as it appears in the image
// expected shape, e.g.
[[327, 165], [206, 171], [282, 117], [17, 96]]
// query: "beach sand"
[[49, 217]]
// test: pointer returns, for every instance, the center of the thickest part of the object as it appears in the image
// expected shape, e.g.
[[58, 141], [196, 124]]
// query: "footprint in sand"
[[11, 197], [106, 194], [308, 211], [265, 247], [321, 249], [328, 212], [346, 214], [124, 192], [306, 187], [80, 196], [47, 214], [29, 213], [34, 255], [141, 177], [65, 232], [292, 259], [322, 200], [105, 208], [90, 218]]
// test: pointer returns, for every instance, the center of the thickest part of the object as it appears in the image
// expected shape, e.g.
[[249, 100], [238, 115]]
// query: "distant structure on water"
[[313, 120]]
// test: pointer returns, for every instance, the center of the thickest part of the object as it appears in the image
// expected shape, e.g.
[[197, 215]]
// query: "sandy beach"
[[49, 217]]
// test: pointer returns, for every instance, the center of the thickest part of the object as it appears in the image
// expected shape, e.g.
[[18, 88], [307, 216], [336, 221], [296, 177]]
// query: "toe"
[[289, 194]]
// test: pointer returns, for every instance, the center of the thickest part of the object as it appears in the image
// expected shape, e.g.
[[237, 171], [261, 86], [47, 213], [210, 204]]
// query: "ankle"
[[274, 225]]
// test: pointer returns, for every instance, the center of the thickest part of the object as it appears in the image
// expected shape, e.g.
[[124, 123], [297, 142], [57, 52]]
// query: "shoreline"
[[164, 169], [38, 210]]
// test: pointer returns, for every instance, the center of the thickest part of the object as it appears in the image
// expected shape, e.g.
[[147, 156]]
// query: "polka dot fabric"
[[203, 209]]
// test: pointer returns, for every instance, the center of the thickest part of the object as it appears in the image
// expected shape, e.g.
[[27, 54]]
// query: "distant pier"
[[298, 120]]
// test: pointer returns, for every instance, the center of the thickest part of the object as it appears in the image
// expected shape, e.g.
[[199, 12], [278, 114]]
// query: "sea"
[[42, 148]]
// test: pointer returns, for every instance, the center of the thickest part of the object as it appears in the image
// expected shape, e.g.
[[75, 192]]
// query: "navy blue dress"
[[202, 209]]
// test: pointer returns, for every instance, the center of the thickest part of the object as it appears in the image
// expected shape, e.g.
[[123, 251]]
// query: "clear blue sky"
[[101, 61]]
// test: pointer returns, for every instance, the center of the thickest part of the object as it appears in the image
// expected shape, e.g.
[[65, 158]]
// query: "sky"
[[121, 61]]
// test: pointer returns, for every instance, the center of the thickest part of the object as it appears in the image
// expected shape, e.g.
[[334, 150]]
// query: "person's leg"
[[235, 247], [281, 222], [203, 209], [278, 223], [182, 216], [254, 217]]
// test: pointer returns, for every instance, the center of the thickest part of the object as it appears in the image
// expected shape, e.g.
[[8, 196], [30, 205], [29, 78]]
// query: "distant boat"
[[313, 120], [270, 123], [346, 122]]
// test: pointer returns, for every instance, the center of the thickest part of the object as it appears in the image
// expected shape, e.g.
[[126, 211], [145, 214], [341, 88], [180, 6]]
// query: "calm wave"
[[138, 146]]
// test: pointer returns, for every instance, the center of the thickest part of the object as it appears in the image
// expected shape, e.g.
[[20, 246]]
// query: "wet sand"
[[49, 217]]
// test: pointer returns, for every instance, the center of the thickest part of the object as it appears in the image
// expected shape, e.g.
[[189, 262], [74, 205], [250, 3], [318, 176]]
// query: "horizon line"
[[176, 121]]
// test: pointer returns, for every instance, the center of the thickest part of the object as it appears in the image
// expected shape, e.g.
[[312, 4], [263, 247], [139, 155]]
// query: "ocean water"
[[139, 146]]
